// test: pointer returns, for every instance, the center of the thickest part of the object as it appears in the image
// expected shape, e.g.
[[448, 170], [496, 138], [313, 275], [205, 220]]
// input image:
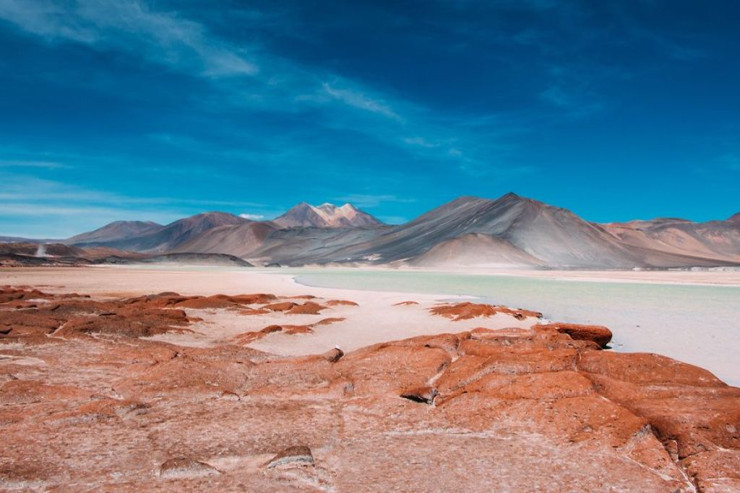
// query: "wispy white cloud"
[[25, 189], [131, 26], [361, 101], [252, 217], [421, 142], [275, 84]]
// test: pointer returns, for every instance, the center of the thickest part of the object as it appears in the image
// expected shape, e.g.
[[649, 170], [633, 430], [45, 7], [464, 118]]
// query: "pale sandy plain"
[[378, 318]]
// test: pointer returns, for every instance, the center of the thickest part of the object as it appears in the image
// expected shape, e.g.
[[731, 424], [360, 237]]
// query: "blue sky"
[[156, 109]]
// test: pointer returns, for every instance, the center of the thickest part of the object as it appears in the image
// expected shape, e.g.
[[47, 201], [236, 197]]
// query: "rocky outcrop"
[[341, 303], [595, 333], [523, 409], [468, 310]]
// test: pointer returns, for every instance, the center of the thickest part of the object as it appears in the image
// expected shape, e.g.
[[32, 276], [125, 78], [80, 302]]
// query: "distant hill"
[[115, 231], [241, 240], [326, 216], [207, 259], [154, 238], [40, 250], [719, 240]]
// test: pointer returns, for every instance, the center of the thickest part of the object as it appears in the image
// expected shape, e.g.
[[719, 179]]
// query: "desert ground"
[[129, 379]]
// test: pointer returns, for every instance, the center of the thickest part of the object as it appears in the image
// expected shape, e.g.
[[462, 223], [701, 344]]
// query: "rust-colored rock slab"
[[88, 404], [467, 310], [595, 333]]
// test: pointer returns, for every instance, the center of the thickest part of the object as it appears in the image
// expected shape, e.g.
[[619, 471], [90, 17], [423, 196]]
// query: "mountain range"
[[467, 232]]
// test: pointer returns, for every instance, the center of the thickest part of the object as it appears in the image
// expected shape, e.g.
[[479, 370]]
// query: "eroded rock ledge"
[[85, 403]]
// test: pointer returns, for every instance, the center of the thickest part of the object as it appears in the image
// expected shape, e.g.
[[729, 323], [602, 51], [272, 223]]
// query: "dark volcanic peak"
[[735, 218], [326, 216]]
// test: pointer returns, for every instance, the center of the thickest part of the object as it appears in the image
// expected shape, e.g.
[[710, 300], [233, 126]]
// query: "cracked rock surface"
[[87, 403]]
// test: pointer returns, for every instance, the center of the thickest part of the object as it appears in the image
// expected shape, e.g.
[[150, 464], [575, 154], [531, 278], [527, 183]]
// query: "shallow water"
[[696, 324]]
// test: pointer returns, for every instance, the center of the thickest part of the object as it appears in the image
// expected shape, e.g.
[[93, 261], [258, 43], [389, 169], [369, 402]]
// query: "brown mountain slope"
[[115, 231], [719, 240], [169, 237], [240, 240]]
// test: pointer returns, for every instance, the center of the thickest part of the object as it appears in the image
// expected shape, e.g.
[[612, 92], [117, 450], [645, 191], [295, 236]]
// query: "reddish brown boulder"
[[333, 355], [596, 333]]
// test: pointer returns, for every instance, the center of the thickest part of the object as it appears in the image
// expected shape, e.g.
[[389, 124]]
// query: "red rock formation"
[[341, 303], [308, 308], [283, 306], [249, 337], [328, 321], [468, 310], [536, 410], [595, 333]]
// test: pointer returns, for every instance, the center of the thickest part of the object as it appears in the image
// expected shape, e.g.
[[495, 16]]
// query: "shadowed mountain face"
[[305, 215], [240, 239], [156, 238], [469, 231]]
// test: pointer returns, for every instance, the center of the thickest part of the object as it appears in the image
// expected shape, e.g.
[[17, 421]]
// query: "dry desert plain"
[[124, 379]]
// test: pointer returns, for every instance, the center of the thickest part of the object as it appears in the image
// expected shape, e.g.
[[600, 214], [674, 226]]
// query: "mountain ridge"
[[471, 231]]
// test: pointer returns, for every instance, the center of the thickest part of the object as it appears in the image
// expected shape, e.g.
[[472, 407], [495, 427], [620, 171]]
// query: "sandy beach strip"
[[377, 318]]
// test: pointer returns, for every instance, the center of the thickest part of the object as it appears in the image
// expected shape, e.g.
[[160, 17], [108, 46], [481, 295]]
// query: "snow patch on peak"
[[335, 216], [326, 215]]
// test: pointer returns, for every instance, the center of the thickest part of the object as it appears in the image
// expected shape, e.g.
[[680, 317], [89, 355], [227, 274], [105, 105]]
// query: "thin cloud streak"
[[359, 100], [10, 163], [131, 26]]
